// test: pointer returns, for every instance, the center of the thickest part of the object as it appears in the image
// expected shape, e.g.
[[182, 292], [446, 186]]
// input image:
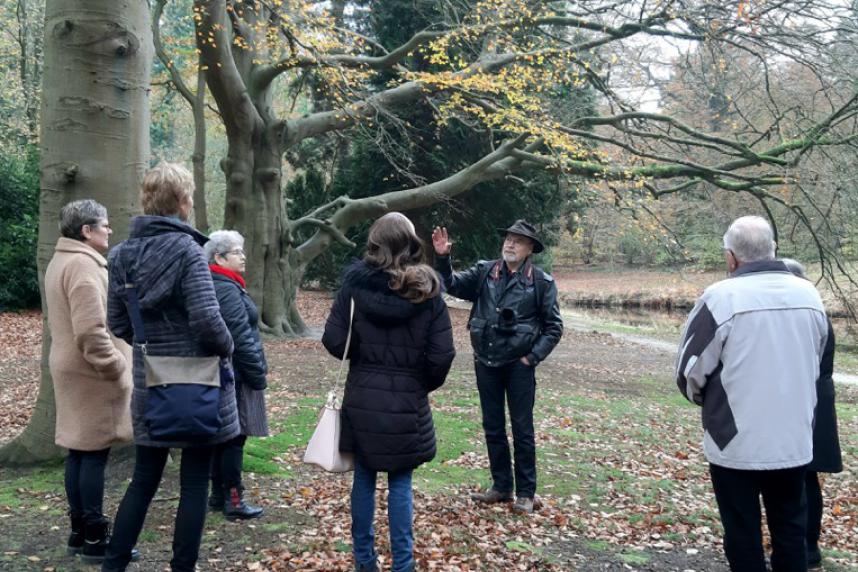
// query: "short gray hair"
[[76, 214], [750, 238], [795, 267], [221, 242]]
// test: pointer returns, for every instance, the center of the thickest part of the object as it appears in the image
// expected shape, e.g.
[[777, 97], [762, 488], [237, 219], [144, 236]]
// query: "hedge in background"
[[19, 229]]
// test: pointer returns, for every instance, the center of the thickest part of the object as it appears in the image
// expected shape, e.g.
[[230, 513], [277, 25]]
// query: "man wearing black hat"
[[515, 323]]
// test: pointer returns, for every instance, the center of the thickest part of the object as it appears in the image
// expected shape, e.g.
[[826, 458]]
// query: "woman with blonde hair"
[[159, 282], [401, 349]]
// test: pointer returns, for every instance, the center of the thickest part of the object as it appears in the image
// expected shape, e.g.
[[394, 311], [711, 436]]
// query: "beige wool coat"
[[91, 368]]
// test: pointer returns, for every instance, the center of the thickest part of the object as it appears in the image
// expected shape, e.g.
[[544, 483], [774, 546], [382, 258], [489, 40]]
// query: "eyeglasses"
[[105, 225], [237, 252]]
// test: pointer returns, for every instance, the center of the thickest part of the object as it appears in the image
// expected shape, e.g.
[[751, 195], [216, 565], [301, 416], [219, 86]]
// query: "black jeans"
[[85, 484], [515, 383], [814, 508], [227, 464], [190, 517], [738, 495]]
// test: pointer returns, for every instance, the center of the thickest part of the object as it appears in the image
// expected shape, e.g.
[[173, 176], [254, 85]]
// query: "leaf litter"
[[623, 477]]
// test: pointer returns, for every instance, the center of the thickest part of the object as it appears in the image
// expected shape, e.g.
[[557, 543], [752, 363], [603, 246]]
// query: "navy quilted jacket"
[[164, 257], [242, 318], [399, 353]]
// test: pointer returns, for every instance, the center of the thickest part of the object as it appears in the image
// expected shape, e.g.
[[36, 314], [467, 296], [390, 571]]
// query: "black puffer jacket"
[[826, 443], [242, 318], [399, 353]]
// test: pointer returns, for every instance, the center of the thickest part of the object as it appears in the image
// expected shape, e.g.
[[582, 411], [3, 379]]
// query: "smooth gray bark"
[[94, 144]]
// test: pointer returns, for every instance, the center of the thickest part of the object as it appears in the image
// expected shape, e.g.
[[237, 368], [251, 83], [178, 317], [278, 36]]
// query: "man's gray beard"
[[509, 257]]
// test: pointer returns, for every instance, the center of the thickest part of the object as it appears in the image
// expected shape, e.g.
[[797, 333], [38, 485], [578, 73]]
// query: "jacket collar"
[[76, 246], [151, 225], [760, 266], [525, 270]]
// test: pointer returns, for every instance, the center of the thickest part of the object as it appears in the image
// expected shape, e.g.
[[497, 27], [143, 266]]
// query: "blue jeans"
[[399, 512]]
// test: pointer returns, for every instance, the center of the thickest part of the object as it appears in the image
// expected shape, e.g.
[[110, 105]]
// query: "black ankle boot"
[[135, 556], [216, 500], [75, 543], [814, 556], [235, 507], [96, 539]]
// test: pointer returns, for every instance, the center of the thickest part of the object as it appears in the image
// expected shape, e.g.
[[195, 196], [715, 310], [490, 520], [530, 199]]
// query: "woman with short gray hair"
[[222, 242], [78, 214], [225, 253], [90, 369]]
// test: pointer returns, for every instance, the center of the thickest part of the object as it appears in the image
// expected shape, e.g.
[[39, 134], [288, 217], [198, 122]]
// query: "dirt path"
[[581, 322]]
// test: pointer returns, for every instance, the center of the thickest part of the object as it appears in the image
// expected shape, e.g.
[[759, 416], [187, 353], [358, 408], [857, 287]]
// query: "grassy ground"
[[620, 472]]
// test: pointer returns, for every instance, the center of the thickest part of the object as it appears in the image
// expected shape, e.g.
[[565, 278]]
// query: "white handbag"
[[324, 446]]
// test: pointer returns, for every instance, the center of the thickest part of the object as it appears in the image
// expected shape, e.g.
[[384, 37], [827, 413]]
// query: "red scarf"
[[228, 273]]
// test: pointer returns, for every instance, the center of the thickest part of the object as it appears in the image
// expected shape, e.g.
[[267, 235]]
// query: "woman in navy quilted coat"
[[225, 253], [164, 257], [401, 349]]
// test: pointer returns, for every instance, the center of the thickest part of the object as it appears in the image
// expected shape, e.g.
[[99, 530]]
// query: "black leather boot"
[[135, 556], [75, 543], [96, 539], [235, 507], [216, 500]]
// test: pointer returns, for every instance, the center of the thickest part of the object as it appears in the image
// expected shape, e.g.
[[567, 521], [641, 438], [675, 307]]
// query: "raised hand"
[[441, 241]]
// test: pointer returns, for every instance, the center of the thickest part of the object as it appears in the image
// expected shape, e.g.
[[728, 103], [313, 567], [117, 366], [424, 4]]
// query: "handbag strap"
[[348, 343], [333, 400]]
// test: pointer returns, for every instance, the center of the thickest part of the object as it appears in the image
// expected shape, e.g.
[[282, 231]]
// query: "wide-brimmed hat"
[[524, 228]]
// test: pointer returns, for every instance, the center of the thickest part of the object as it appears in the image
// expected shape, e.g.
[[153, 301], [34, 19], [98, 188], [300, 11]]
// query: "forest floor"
[[621, 471]]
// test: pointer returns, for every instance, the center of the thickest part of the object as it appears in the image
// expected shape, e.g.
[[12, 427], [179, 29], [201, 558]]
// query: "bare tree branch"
[[175, 76]]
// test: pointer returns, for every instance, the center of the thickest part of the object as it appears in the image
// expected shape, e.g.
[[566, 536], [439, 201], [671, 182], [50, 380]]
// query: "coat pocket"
[[477, 327], [521, 342]]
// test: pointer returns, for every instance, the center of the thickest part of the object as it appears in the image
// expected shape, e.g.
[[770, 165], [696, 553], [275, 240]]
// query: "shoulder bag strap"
[[339, 384], [134, 311]]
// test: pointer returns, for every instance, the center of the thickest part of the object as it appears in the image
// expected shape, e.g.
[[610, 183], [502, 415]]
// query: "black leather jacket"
[[537, 326]]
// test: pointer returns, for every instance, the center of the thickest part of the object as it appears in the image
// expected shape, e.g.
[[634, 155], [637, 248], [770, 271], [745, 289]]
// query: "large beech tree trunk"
[[94, 144]]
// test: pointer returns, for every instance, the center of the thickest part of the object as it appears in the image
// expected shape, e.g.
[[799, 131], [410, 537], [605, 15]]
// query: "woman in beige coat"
[[90, 369]]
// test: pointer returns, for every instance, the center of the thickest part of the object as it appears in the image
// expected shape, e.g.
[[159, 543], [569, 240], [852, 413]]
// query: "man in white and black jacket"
[[750, 356]]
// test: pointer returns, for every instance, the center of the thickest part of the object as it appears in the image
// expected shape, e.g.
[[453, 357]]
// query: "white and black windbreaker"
[[750, 356]]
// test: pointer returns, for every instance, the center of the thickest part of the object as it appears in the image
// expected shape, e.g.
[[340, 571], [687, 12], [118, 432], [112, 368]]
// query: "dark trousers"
[[515, 383], [738, 495], [227, 464], [814, 508], [190, 517], [85, 484]]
